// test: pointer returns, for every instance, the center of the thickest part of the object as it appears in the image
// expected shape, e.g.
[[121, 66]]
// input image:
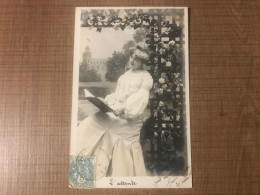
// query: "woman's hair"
[[141, 54]]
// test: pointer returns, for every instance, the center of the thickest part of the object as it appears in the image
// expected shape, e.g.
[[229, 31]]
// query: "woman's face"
[[135, 63]]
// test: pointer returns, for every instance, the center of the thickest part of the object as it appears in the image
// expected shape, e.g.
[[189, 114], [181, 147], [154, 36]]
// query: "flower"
[[131, 23], [90, 16], [166, 46], [176, 75], [163, 132], [164, 86], [137, 21], [171, 43], [160, 91], [117, 20], [156, 38], [90, 22], [161, 103], [145, 23], [161, 80], [155, 114], [168, 64], [162, 51]]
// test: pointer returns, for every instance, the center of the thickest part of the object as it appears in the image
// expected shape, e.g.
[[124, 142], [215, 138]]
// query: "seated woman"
[[113, 138]]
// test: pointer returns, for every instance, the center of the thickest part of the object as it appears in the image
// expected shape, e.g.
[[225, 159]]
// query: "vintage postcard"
[[130, 109]]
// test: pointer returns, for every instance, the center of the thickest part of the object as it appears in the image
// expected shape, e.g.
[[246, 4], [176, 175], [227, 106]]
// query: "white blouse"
[[132, 93]]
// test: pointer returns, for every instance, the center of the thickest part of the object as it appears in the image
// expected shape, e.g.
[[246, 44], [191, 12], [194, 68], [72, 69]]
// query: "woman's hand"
[[118, 111]]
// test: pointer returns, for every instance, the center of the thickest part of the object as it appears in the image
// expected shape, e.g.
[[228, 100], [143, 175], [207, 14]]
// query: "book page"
[[88, 94]]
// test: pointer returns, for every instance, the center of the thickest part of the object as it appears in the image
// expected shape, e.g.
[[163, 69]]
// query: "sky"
[[103, 44]]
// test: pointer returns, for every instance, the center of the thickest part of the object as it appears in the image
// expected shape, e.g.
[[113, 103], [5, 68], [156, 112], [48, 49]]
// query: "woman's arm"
[[111, 98], [137, 102]]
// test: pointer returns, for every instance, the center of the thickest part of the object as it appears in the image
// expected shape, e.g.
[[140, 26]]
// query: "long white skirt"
[[114, 142]]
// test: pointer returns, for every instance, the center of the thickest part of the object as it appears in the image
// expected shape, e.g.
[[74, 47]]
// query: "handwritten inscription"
[[170, 181], [124, 183], [112, 182], [157, 182]]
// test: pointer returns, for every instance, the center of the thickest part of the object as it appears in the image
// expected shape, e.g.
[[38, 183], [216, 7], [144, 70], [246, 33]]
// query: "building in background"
[[98, 64]]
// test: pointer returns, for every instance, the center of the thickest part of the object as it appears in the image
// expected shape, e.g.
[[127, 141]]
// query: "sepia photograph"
[[130, 108]]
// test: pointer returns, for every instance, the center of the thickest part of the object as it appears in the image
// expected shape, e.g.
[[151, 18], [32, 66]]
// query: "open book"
[[97, 102]]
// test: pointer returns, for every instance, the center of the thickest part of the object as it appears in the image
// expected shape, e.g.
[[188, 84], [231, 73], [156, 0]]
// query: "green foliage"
[[116, 66], [87, 74]]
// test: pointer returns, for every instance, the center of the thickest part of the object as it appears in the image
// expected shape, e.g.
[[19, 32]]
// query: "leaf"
[[122, 27]]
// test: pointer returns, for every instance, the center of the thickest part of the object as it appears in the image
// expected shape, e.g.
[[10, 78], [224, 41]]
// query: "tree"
[[116, 66], [87, 74]]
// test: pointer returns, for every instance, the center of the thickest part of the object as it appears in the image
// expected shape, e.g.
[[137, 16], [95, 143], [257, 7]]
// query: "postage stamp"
[[130, 101], [82, 172]]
